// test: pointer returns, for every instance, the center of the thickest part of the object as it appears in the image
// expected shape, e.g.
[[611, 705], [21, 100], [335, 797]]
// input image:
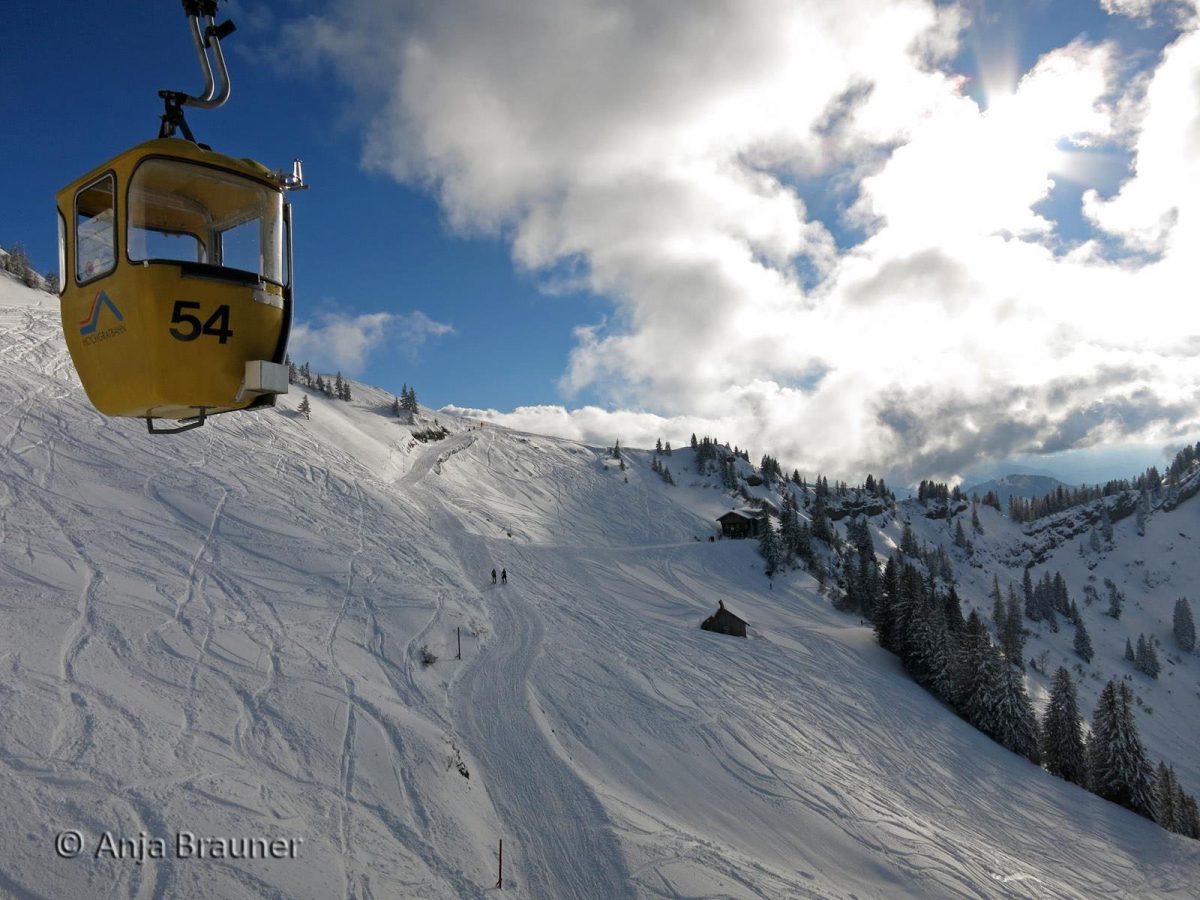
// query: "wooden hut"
[[724, 622], [741, 523]]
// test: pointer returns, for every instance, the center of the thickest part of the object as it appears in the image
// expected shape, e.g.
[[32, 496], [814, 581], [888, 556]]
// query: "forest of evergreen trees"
[[337, 388], [1024, 509], [917, 615]]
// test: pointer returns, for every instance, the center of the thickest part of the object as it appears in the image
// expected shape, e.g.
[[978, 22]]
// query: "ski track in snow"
[[222, 632], [563, 835]]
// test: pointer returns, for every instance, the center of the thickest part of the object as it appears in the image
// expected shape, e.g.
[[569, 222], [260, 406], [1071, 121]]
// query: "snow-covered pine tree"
[[1031, 608], [821, 529], [924, 652], [1143, 512], [305, 409], [1013, 639], [952, 613], [976, 525], [1016, 723], [1117, 766], [1106, 528], [1115, 598], [1129, 655], [1062, 731], [769, 546], [339, 386], [1166, 797], [1145, 658], [960, 536], [973, 694], [999, 619], [1083, 641], [1060, 595], [885, 616], [852, 599], [1185, 628]]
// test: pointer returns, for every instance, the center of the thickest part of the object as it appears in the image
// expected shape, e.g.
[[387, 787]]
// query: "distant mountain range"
[[1017, 486]]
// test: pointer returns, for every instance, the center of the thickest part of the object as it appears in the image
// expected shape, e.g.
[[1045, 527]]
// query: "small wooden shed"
[[724, 622], [741, 523]]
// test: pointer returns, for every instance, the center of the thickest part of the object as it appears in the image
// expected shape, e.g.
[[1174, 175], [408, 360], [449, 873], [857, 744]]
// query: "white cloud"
[[658, 152], [339, 341]]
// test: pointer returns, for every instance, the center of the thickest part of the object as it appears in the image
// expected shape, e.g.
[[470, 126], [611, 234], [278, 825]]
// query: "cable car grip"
[[188, 424]]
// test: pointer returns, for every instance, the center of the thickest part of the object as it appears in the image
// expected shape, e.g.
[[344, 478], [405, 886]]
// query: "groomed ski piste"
[[221, 634]]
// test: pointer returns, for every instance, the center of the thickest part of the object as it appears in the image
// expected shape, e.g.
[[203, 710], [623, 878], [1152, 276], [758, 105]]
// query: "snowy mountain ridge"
[[224, 632]]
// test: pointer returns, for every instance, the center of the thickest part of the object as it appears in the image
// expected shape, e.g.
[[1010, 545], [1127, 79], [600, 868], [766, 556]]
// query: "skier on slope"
[[504, 576], [493, 576]]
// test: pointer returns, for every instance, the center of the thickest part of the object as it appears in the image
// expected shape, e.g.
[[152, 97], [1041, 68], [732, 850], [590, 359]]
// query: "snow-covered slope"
[[222, 632]]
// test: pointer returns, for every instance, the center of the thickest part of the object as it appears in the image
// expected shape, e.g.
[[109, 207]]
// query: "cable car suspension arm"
[[206, 33]]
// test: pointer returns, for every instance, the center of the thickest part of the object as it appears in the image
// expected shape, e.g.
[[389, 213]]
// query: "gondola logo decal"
[[88, 327]]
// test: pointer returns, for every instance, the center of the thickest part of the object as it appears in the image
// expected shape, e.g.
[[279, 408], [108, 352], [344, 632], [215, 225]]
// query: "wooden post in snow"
[[458, 632], [500, 878]]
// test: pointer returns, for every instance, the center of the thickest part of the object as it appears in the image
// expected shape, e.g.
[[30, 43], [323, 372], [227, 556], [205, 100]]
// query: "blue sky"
[[601, 204], [363, 241]]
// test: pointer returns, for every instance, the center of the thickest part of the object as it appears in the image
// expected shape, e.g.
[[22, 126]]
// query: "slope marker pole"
[[500, 878]]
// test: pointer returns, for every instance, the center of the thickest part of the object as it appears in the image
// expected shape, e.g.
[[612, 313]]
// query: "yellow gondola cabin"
[[175, 266]]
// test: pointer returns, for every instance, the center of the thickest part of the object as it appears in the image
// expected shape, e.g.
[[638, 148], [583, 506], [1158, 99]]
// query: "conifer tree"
[[924, 653], [1031, 609], [1145, 658], [1083, 641], [885, 617], [667, 448], [1016, 723], [1117, 766], [305, 409], [1062, 731], [821, 529], [694, 442], [960, 536], [998, 617], [952, 613], [1013, 641], [768, 545], [1185, 628], [1166, 798], [395, 406], [975, 679], [1115, 598], [1129, 657]]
